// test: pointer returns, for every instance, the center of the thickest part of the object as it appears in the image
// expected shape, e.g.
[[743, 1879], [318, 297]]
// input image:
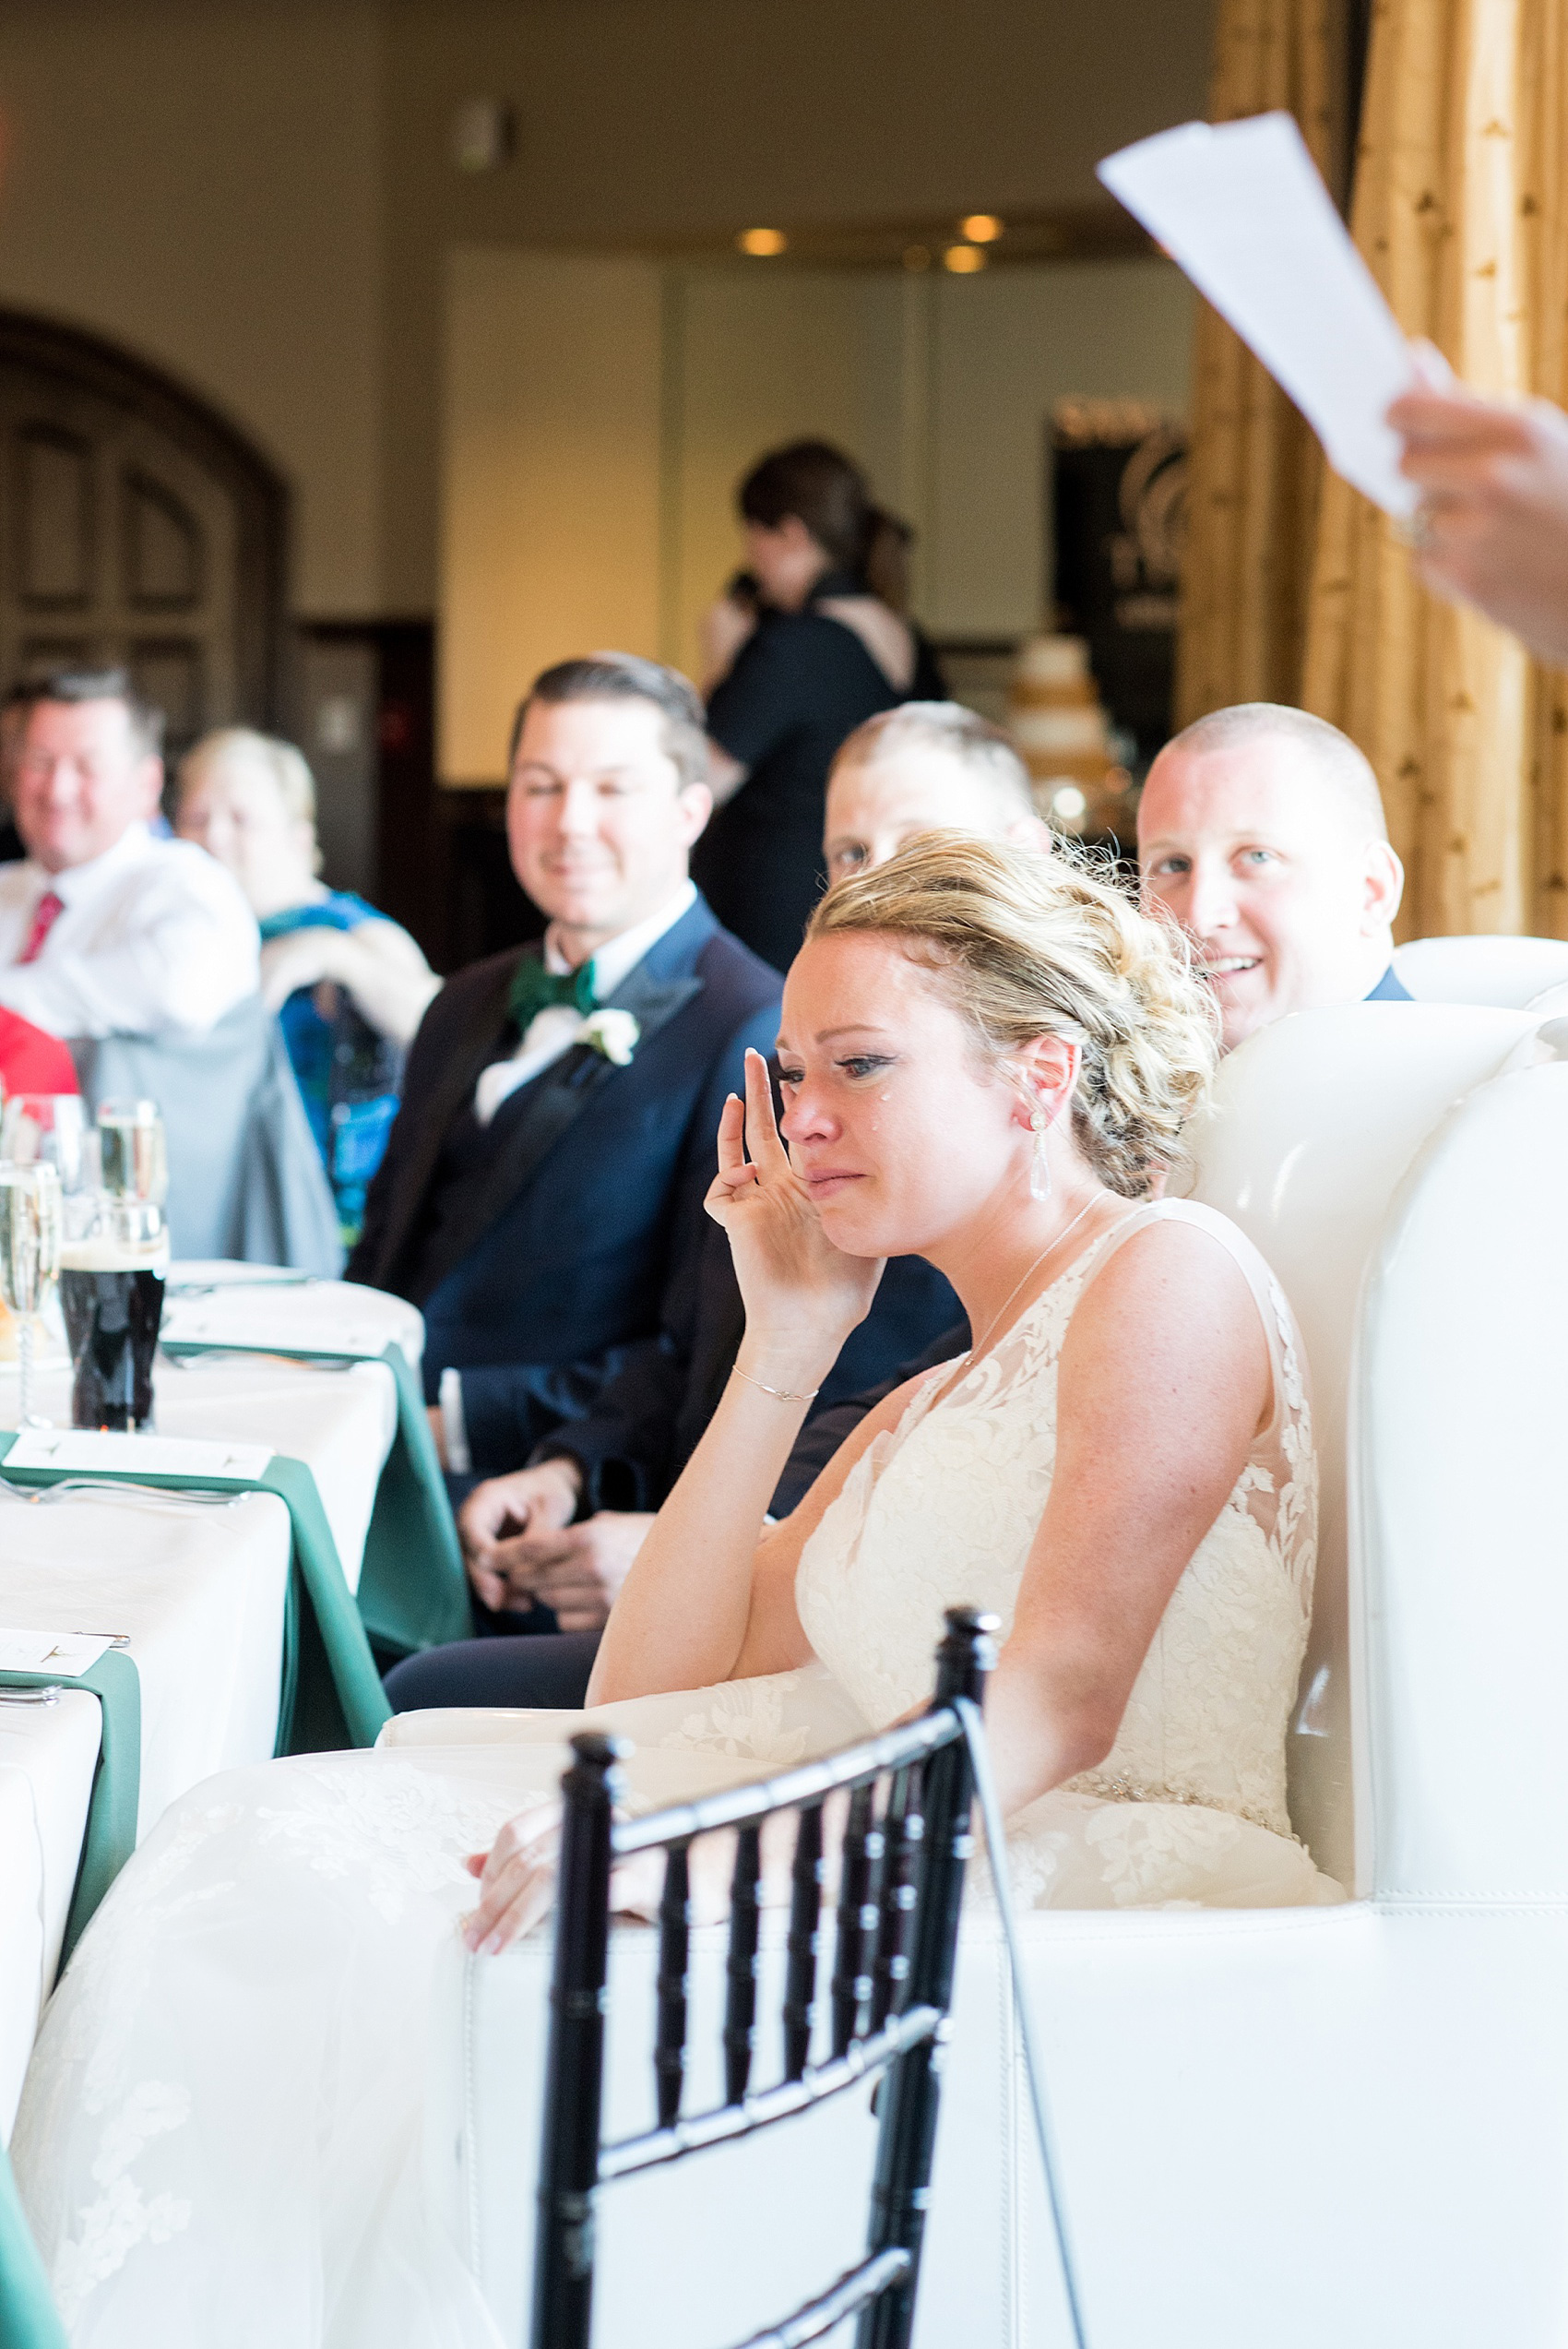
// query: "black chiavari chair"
[[901, 1882]]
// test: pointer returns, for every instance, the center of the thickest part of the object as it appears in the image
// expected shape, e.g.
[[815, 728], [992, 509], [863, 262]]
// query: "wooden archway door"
[[138, 527]]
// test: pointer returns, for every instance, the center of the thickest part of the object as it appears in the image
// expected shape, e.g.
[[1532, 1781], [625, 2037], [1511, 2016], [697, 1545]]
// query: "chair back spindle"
[[741, 1966], [903, 1829], [858, 1918], [805, 1911], [675, 1946]]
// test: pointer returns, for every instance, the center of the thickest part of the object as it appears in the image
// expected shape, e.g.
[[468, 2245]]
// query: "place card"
[[90, 1452], [194, 1325], [224, 1272], [70, 1653]]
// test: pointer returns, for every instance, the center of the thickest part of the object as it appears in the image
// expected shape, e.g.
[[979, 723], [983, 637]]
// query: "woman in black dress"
[[825, 654]]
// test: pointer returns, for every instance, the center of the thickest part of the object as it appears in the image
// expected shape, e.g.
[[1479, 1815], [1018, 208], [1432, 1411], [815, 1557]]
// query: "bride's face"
[[893, 1118]]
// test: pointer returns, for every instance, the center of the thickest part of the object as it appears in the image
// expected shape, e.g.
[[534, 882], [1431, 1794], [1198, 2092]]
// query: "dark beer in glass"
[[112, 1297]]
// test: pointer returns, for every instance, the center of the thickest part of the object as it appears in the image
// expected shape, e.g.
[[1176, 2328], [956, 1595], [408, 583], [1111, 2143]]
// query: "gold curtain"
[[1254, 467], [1461, 183]]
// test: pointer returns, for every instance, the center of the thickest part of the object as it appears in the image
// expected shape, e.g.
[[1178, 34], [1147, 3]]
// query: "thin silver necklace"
[[1029, 1273]]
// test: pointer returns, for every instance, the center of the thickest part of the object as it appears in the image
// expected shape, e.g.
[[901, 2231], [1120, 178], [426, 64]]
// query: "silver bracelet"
[[783, 1394]]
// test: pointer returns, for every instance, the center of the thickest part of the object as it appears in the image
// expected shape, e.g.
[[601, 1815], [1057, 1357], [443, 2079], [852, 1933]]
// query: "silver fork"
[[151, 1495], [214, 1350]]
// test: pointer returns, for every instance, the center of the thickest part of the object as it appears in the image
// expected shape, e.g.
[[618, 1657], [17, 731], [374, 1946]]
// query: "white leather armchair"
[[1344, 2125], [1504, 972]]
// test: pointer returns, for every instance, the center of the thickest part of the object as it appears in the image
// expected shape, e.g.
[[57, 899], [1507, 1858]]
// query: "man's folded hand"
[[577, 1571], [528, 1501]]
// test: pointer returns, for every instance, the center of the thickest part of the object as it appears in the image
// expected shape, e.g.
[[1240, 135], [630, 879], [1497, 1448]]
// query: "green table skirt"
[[110, 1836], [29, 2318], [27, 2315]]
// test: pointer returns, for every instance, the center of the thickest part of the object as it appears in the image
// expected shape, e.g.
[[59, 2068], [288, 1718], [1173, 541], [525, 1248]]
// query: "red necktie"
[[49, 911]]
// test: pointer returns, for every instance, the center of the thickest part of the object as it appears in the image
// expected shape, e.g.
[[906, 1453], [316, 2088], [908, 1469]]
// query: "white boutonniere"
[[614, 1033]]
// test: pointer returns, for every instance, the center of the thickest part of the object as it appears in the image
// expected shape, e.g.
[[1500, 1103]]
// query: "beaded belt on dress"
[[1120, 1788]]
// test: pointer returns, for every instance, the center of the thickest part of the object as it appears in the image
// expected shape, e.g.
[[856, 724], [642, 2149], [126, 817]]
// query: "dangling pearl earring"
[[1039, 1164]]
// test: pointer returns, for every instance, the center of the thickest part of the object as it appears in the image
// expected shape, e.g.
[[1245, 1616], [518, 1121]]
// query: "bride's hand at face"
[[802, 1295]]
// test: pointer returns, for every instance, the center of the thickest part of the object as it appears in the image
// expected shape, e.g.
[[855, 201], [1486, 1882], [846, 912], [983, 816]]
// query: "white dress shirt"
[[555, 1030], [154, 935]]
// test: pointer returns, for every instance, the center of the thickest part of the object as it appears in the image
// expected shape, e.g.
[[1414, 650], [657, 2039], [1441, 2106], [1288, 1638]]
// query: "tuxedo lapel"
[[538, 1117], [473, 1048]]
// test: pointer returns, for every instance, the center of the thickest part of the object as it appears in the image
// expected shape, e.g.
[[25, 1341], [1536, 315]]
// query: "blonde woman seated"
[[985, 1058], [348, 986]]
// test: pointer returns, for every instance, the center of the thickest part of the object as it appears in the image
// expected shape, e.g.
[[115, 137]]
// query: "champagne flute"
[[133, 1155], [30, 1223], [49, 1129]]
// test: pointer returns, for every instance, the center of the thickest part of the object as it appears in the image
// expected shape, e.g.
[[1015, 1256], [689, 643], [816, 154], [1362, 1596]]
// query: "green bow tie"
[[536, 989]]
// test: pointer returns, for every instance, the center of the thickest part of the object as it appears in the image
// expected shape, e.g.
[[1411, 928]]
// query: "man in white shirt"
[[104, 928]]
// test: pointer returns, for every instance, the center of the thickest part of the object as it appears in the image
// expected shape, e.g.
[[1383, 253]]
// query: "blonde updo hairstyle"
[[1025, 945]]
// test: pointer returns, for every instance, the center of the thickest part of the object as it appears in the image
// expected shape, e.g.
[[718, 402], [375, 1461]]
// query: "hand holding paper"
[[1242, 209]]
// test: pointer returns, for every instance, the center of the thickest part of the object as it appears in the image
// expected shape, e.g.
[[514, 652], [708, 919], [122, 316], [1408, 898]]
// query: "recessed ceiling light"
[[982, 227], [1068, 802], [762, 244], [964, 260]]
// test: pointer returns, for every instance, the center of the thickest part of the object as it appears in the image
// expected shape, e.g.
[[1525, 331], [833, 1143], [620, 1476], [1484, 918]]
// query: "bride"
[[986, 1059]]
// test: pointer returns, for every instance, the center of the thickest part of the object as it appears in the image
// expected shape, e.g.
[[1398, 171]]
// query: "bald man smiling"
[[1261, 830]]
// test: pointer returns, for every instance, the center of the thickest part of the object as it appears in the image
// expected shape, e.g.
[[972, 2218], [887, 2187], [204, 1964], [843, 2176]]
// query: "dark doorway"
[[360, 704], [136, 528]]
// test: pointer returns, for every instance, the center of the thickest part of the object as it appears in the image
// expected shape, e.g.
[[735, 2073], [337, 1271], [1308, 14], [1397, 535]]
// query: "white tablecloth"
[[237, 1302], [200, 1591], [47, 1757]]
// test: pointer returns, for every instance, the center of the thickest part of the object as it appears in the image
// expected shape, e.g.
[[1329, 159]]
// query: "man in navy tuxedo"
[[544, 1179]]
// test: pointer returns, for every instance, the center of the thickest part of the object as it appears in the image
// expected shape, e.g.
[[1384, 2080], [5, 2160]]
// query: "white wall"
[[201, 182], [599, 415]]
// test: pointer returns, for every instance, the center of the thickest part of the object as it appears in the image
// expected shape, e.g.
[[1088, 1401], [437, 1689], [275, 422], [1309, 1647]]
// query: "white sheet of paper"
[[87, 1452], [67, 1653], [1243, 210]]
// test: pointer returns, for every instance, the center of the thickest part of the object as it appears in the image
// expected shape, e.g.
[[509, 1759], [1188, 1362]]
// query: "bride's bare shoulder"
[[1172, 1302]]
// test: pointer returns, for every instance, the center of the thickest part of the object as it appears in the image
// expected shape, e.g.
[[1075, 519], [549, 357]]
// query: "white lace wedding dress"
[[226, 2131]]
